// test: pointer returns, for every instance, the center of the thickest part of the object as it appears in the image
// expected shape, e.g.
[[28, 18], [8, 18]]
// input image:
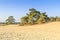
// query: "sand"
[[48, 31]]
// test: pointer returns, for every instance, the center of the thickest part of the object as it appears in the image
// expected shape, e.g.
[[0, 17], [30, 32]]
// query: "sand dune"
[[48, 31]]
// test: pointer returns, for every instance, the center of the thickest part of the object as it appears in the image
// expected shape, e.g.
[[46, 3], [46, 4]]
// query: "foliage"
[[31, 18], [10, 20], [43, 18], [24, 20], [57, 18], [52, 19], [34, 16]]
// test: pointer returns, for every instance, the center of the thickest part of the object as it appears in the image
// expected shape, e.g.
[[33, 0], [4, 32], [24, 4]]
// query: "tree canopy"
[[10, 20], [33, 17]]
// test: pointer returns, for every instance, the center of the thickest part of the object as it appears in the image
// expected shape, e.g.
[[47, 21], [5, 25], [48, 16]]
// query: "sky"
[[19, 8]]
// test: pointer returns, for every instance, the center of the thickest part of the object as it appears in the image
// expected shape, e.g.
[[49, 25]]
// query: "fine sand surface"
[[48, 31]]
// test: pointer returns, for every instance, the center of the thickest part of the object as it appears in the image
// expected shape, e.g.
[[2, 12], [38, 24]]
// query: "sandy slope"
[[48, 31]]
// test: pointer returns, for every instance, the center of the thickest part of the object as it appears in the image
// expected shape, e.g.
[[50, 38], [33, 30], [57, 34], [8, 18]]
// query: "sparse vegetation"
[[33, 17]]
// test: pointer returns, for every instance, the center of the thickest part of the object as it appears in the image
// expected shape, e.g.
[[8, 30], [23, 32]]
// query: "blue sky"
[[19, 8]]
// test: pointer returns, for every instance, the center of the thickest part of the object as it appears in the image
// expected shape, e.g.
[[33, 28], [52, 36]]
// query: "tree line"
[[33, 17]]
